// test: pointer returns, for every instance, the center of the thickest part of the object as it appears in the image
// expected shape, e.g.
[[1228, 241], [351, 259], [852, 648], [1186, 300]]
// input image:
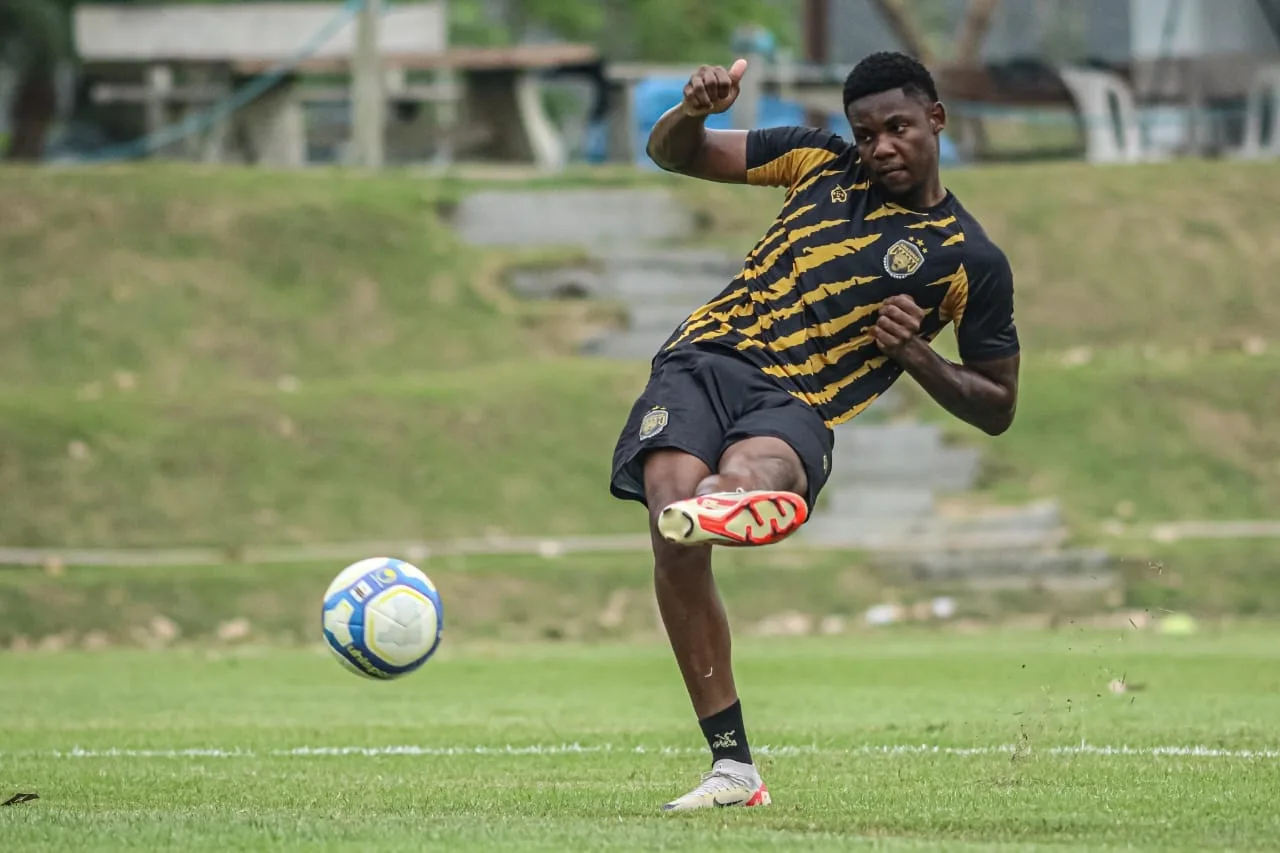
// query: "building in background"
[[1189, 75]]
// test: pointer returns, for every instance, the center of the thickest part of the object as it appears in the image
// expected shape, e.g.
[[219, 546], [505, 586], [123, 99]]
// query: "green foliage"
[[34, 35], [642, 30]]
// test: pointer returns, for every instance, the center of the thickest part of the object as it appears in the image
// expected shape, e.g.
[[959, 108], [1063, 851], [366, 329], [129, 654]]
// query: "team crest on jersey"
[[839, 195], [653, 422], [903, 258]]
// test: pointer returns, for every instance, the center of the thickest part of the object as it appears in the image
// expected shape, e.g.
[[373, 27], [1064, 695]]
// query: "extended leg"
[[754, 499]]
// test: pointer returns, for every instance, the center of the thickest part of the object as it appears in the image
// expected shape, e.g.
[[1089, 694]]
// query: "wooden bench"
[[497, 95], [178, 60], [172, 62]]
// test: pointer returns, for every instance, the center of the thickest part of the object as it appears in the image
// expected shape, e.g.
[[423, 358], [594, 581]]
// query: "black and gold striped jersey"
[[809, 292]]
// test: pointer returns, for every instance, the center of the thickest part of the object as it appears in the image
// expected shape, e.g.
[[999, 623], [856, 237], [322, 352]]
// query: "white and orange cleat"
[[729, 783], [733, 518]]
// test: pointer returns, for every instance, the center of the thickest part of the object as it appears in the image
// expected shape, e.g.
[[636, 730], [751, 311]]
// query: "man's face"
[[896, 134]]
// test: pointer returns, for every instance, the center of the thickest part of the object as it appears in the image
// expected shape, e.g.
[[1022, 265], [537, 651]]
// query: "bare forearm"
[[964, 392], [676, 138]]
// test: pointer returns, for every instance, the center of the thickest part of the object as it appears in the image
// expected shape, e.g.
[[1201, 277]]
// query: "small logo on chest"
[[904, 257], [839, 195]]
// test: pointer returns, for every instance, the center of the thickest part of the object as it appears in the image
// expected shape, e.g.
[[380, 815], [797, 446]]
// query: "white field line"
[[1081, 749]]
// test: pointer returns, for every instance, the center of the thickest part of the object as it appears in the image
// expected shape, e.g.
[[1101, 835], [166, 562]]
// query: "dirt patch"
[[1229, 435], [1239, 440]]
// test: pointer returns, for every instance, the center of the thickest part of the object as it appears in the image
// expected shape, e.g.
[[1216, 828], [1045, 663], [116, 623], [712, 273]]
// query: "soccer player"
[[868, 260]]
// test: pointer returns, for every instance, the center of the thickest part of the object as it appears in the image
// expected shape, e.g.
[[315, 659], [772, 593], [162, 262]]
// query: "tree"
[[973, 31], [904, 25], [686, 31], [35, 37]]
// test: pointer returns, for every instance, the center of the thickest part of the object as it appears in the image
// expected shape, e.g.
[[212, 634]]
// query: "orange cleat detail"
[[734, 518]]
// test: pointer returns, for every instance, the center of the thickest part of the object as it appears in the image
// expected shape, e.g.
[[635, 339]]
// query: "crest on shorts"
[[903, 258], [839, 195], [653, 422]]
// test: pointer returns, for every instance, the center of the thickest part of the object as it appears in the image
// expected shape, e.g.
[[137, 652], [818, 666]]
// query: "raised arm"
[[767, 157], [680, 140]]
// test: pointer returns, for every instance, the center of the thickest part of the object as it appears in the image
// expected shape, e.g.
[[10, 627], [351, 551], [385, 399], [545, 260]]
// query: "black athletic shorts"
[[703, 400]]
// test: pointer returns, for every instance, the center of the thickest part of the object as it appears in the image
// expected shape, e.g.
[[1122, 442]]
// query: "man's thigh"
[[767, 462], [800, 437]]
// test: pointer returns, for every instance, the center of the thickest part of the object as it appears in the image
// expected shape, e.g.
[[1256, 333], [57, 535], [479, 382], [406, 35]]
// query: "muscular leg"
[[691, 609], [694, 616], [762, 484], [761, 462]]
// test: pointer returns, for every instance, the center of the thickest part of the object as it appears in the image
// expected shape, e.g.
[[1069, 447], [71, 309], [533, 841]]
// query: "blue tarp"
[[655, 96]]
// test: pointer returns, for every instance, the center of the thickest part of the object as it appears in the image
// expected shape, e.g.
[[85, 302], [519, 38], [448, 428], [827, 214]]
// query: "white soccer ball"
[[382, 618]]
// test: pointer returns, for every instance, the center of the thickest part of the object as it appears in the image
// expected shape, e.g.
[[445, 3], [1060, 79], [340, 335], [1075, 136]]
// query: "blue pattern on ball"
[[383, 576]]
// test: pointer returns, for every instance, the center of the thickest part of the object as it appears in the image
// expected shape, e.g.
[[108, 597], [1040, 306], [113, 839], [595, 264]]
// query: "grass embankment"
[[198, 357]]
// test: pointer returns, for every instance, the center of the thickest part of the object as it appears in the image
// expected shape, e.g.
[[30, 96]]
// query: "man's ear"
[[937, 118]]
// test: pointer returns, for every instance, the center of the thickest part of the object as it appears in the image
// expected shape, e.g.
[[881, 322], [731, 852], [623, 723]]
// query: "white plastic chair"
[[1110, 116]]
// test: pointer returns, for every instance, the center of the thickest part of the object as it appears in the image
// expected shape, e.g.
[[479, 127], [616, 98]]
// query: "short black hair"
[[886, 70]]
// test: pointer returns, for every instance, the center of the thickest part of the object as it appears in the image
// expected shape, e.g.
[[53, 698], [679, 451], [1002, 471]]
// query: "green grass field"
[[232, 358], [907, 740]]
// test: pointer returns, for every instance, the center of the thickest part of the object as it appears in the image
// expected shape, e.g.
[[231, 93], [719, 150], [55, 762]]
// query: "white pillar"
[[368, 98]]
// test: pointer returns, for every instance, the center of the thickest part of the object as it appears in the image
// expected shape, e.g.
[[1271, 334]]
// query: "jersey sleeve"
[[783, 156], [984, 322]]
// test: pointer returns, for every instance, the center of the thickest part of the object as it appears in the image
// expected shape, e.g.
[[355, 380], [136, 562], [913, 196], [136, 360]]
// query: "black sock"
[[725, 734]]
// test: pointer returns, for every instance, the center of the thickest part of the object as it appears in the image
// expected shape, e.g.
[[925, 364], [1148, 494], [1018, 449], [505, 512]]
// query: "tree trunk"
[[36, 33], [34, 107], [971, 132], [903, 24], [973, 30], [817, 22]]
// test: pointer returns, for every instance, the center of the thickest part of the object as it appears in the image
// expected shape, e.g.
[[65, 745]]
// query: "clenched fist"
[[712, 89], [898, 325]]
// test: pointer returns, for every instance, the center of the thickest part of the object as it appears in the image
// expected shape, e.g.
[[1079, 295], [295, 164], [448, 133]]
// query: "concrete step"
[[946, 470], [659, 314], [863, 532], [708, 261], [906, 520], [974, 565], [624, 345], [1039, 515], [576, 281], [591, 218], [686, 278], [715, 267], [639, 287], [890, 402], [899, 438], [921, 535], [862, 501]]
